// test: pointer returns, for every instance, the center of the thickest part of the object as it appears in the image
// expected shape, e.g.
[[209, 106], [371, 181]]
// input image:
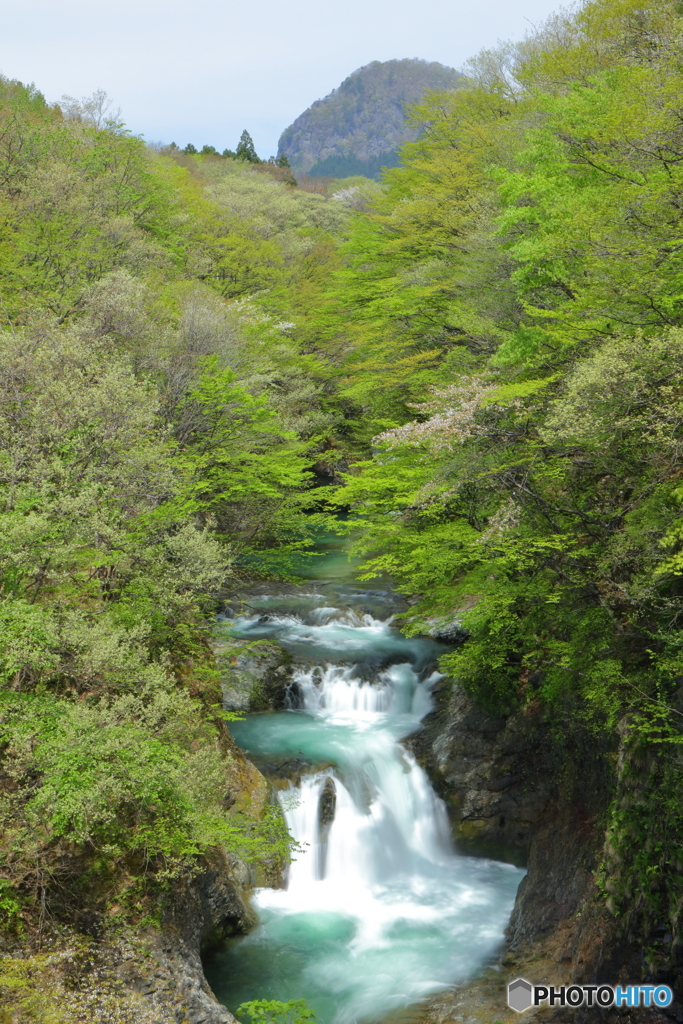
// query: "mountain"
[[359, 127]]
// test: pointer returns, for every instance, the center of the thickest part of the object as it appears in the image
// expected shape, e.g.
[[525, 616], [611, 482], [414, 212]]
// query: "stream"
[[379, 911]]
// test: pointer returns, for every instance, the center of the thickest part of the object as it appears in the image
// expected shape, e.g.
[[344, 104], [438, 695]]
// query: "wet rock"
[[253, 678], [289, 769], [492, 772], [446, 630], [327, 805]]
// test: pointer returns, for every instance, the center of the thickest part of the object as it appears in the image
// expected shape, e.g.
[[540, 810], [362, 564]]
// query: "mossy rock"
[[254, 677]]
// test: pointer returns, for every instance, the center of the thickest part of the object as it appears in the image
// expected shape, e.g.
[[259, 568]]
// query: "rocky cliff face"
[[132, 975], [534, 790], [360, 125], [205, 909], [159, 973], [211, 907], [493, 773]]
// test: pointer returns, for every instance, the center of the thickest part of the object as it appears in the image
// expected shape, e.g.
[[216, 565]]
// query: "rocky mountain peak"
[[359, 126]]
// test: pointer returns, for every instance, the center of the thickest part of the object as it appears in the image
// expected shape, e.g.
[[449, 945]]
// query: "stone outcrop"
[[493, 773], [99, 973], [523, 788], [202, 911], [210, 907], [360, 125], [253, 678], [157, 974], [327, 806]]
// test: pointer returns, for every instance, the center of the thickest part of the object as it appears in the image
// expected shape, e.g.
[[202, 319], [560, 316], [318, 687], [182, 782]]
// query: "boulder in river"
[[327, 806], [254, 677]]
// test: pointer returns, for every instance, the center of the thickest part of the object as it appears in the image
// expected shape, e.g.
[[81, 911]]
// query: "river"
[[379, 910]]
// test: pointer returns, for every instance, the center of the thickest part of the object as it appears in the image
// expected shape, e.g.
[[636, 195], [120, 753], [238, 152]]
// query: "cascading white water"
[[387, 817], [378, 910]]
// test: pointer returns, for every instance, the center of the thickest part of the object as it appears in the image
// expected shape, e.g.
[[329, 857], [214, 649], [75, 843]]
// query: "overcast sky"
[[202, 70]]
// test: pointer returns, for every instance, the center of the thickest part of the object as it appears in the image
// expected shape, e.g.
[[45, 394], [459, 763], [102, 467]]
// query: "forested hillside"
[[158, 425], [482, 359], [359, 127], [515, 346]]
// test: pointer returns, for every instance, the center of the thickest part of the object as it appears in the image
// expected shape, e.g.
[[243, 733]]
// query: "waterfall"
[[378, 910], [387, 818]]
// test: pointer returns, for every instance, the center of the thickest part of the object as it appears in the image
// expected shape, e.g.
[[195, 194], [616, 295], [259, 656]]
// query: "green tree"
[[524, 482], [158, 419], [245, 149]]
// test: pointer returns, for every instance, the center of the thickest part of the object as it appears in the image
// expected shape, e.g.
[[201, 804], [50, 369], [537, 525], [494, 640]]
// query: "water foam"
[[378, 910]]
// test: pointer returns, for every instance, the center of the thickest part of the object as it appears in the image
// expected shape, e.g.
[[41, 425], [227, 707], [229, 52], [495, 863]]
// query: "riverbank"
[[510, 783], [102, 960], [378, 910]]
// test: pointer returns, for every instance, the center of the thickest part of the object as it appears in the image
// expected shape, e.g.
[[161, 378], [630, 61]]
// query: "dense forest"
[[479, 359]]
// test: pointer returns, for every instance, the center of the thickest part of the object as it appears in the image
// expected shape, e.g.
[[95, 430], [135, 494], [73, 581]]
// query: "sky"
[[202, 70]]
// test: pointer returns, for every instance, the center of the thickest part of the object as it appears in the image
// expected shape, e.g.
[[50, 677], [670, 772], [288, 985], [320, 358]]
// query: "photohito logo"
[[522, 995]]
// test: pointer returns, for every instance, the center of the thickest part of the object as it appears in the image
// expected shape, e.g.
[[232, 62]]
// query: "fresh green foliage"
[[508, 327], [10, 906], [487, 347], [273, 1011], [157, 425], [245, 149]]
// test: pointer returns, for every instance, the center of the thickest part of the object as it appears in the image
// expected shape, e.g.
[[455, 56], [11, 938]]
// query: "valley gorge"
[[341, 547]]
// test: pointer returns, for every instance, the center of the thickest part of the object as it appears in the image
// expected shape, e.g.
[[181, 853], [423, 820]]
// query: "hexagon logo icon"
[[520, 995]]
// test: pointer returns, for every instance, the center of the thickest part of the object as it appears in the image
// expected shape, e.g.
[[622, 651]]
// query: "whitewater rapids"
[[378, 911]]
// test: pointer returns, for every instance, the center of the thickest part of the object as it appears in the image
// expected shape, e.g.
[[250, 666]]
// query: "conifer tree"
[[245, 149]]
